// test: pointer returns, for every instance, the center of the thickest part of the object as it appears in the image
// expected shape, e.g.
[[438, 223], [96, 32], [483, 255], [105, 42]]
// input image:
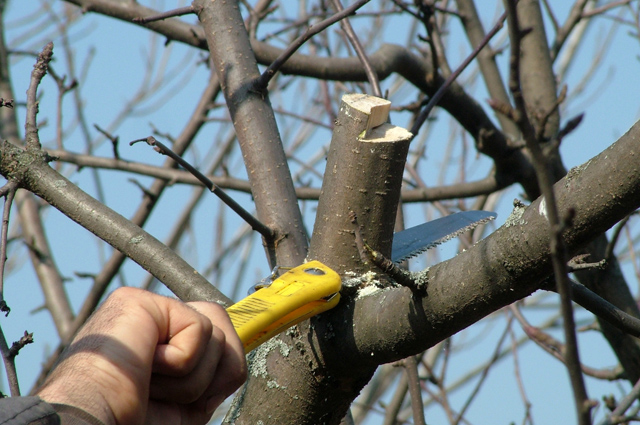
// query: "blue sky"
[[116, 54]]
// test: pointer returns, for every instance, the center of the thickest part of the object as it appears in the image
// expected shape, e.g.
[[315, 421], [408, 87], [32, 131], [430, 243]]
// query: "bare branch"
[[545, 182], [262, 82], [39, 71], [255, 224], [181, 11], [372, 76]]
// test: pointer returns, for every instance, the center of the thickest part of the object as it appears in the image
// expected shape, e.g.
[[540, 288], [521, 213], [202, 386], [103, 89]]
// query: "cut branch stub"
[[364, 175]]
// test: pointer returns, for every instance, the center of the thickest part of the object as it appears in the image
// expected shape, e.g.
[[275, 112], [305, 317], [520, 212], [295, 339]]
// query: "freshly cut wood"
[[357, 147], [375, 108]]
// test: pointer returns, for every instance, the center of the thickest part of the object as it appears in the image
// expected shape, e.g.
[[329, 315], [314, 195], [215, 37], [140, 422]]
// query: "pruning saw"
[[312, 288]]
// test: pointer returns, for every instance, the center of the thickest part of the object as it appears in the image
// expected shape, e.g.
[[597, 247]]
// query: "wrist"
[[70, 385]]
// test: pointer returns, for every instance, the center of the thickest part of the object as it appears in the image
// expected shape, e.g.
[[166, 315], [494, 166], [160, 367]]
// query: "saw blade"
[[411, 242]]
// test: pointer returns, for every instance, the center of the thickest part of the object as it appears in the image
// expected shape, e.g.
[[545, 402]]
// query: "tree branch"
[[386, 325], [32, 173], [256, 128]]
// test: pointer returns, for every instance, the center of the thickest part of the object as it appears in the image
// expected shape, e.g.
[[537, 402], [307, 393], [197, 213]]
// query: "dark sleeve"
[[35, 411], [70, 415], [27, 410]]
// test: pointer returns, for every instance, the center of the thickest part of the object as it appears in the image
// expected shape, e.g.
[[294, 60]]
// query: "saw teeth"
[[446, 238]]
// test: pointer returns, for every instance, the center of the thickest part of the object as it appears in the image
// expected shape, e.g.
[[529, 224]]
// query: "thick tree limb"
[[32, 172], [349, 342], [359, 146], [256, 129]]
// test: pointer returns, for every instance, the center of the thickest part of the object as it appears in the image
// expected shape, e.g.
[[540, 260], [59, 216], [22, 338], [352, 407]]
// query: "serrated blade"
[[411, 242]]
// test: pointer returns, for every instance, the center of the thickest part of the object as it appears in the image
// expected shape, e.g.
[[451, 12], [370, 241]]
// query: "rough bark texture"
[[348, 185], [310, 374]]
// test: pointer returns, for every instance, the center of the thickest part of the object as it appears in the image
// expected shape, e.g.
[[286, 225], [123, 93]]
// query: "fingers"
[[214, 371], [232, 367], [144, 356]]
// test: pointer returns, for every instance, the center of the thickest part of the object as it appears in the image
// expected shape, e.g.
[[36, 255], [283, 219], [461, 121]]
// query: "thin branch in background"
[[255, 224], [9, 365], [518, 375], [623, 405], [558, 252], [411, 368], [372, 76], [605, 7], [451, 78], [181, 11], [114, 140], [428, 19], [556, 348], [262, 82], [62, 90], [544, 118], [9, 193], [615, 236], [483, 376], [600, 307], [562, 33], [39, 71], [552, 17]]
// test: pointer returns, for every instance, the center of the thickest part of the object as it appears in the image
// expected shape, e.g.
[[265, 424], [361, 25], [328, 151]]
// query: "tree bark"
[[30, 169], [309, 374], [255, 125], [363, 175]]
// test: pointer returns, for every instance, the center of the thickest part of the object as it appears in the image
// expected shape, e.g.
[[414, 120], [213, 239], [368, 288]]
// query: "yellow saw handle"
[[300, 293]]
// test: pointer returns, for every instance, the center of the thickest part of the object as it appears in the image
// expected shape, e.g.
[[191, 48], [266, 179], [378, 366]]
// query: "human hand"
[[145, 358]]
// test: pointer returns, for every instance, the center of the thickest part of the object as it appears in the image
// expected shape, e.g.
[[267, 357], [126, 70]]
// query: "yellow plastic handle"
[[302, 292]]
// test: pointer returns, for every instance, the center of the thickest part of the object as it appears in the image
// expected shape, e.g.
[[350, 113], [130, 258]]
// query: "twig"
[[623, 405], [427, 17], [451, 78], [262, 82], [11, 187], [39, 71], [411, 367], [542, 121], [181, 11], [578, 263], [556, 348], [417, 282], [372, 76], [63, 89], [601, 307], [114, 140], [608, 255], [18, 345], [9, 365], [543, 175], [571, 125], [518, 375], [604, 8], [8, 354], [255, 224], [481, 380]]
